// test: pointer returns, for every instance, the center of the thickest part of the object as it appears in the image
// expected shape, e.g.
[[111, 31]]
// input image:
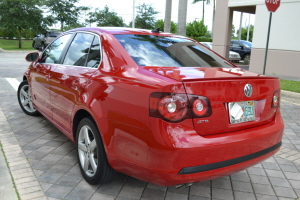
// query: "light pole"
[[133, 14], [240, 31]]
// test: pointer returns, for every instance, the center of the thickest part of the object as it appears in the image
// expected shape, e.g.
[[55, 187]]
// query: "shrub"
[[202, 39]]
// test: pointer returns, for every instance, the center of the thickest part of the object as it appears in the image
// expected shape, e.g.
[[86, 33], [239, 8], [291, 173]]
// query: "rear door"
[[40, 75], [70, 79]]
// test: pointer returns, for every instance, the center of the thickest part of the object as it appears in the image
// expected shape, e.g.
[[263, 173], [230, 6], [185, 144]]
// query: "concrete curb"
[[289, 94], [23, 175], [7, 189]]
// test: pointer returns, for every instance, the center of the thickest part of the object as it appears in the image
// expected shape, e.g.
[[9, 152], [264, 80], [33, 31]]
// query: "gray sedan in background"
[[40, 41]]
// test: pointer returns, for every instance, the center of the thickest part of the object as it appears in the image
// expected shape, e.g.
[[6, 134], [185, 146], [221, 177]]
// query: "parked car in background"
[[156, 106], [243, 48], [233, 56], [40, 41]]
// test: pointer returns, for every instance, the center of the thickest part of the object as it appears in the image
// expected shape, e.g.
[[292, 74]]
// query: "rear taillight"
[[169, 106], [201, 106], [276, 99], [175, 107]]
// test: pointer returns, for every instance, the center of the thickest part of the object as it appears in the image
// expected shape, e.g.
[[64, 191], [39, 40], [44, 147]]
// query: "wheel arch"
[[248, 53], [79, 115]]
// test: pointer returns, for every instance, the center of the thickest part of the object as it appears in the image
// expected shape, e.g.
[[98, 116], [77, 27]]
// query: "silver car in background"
[[233, 56]]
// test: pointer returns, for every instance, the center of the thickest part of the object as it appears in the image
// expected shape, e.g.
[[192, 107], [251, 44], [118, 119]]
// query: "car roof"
[[123, 30]]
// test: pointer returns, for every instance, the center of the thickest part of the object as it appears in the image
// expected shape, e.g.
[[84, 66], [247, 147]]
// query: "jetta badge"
[[248, 90]]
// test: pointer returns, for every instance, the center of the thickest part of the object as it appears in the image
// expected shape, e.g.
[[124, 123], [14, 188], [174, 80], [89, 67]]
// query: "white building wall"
[[236, 3], [284, 42], [285, 27]]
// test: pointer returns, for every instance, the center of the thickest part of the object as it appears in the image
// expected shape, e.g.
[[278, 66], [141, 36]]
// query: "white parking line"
[[14, 83]]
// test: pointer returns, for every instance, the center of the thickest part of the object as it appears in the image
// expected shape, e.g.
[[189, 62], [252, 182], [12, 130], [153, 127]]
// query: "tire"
[[91, 155], [33, 44], [25, 100], [247, 59]]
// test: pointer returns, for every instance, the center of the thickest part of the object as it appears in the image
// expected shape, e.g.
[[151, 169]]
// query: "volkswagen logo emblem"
[[248, 90]]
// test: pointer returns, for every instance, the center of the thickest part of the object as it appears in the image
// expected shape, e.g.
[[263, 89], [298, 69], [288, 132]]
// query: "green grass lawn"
[[293, 86], [14, 44]]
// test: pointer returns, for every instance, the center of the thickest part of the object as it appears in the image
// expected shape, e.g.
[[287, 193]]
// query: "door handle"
[[48, 77], [48, 67], [76, 84]]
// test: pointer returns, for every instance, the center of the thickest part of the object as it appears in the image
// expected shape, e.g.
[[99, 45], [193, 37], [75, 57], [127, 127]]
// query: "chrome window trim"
[[75, 32]]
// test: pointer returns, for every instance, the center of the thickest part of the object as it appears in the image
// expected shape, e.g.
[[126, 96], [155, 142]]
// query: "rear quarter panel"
[[118, 99]]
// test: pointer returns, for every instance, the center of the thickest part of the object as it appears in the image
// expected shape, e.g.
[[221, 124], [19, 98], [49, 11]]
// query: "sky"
[[124, 8]]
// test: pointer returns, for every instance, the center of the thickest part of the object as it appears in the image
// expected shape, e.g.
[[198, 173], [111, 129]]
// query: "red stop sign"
[[272, 5]]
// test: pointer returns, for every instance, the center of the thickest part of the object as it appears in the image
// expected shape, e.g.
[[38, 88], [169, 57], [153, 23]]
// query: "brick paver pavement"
[[44, 166]]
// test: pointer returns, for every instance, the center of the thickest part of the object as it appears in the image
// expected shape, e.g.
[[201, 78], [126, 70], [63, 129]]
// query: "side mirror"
[[242, 47], [33, 57]]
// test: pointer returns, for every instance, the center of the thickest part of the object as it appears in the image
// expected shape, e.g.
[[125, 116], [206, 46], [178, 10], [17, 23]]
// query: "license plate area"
[[240, 112]]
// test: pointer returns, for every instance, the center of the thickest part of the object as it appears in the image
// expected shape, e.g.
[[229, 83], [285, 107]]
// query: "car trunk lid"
[[232, 109]]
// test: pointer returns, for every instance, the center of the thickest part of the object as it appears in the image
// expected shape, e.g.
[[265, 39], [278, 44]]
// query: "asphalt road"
[[12, 65]]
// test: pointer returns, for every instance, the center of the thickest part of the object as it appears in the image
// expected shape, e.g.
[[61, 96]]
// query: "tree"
[[203, 7], [214, 8], [72, 26], [245, 32], [182, 12], [64, 11], [160, 24], [168, 16], [105, 18], [145, 17], [196, 29], [232, 31], [22, 14]]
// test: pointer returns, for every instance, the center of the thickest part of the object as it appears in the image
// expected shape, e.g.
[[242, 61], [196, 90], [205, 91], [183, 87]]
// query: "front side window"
[[151, 50], [79, 50], [53, 52], [236, 44], [247, 44]]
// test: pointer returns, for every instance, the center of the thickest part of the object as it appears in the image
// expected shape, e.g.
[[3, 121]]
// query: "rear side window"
[[53, 52], [79, 50], [94, 55], [151, 50]]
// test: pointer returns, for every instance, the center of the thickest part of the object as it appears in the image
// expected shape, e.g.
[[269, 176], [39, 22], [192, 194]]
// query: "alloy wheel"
[[26, 99], [87, 151]]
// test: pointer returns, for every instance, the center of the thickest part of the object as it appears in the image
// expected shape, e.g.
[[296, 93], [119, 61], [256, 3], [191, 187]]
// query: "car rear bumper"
[[226, 163], [182, 156]]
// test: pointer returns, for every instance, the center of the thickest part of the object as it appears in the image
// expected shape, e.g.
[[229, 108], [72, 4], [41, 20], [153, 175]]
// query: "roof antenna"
[[156, 30]]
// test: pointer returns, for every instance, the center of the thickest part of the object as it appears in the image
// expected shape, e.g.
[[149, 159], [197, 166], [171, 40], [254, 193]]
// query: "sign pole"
[[267, 46]]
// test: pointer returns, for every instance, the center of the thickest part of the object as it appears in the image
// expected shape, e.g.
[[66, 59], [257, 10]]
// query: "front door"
[[41, 75], [69, 80]]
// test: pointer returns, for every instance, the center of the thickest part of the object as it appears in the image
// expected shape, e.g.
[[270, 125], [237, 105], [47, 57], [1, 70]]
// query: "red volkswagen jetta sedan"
[[156, 106]]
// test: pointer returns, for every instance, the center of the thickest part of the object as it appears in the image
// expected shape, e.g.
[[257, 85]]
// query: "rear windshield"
[[53, 34], [150, 50]]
